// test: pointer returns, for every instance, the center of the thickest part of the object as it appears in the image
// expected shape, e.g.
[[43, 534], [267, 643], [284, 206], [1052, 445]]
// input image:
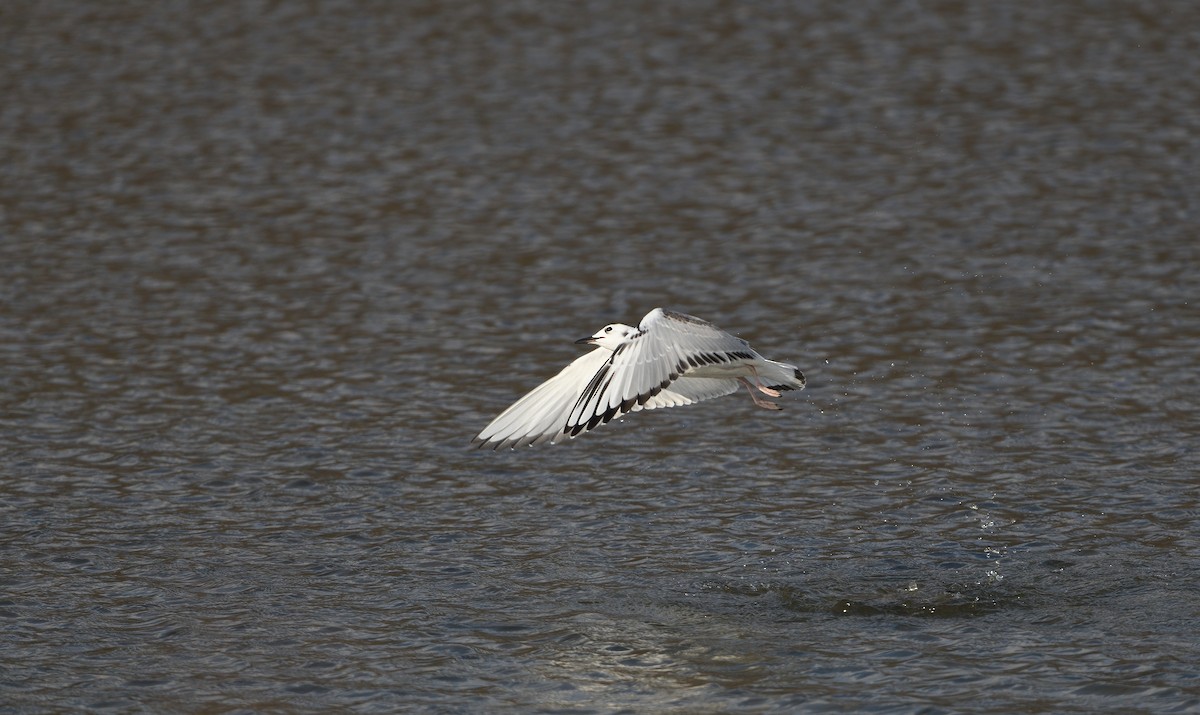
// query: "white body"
[[670, 359]]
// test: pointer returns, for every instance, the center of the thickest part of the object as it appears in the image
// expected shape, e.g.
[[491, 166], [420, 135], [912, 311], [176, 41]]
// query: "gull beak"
[[588, 339]]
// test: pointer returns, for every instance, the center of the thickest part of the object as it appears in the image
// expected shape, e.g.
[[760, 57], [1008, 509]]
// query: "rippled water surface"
[[265, 269]]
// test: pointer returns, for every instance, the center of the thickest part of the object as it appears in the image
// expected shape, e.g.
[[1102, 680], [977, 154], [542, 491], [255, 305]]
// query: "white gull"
[[671, 359]]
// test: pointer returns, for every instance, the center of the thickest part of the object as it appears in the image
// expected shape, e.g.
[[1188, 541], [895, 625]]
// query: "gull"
[[670, 359]]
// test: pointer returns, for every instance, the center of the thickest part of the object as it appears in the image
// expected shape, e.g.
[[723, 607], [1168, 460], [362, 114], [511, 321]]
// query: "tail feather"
[[781, 376]]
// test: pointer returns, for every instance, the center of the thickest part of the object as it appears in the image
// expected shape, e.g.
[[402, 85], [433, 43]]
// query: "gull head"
[[610, 336]]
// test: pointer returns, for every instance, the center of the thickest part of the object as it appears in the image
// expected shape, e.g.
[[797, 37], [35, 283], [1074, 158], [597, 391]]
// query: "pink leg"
[[763, 388], [765, 404]]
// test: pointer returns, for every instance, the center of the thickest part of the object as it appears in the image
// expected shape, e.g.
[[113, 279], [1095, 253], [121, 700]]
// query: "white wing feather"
[[540, 415], [689, 391]]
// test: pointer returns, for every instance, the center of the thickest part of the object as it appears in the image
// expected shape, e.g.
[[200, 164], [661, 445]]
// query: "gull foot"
[[760, 402]]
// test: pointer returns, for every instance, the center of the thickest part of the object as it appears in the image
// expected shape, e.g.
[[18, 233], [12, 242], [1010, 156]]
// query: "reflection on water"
[[265, 270]]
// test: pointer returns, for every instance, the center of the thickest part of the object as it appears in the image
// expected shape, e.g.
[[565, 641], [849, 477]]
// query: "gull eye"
[[608, 329]]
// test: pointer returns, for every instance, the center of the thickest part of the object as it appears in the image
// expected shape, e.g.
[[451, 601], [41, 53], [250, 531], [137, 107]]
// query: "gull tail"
[[780, 375]]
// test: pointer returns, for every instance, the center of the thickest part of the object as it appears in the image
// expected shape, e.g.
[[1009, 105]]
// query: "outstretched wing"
[[666, 346], [540, 415]]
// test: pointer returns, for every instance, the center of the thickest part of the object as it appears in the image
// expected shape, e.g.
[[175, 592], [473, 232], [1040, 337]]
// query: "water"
[[265, 270]]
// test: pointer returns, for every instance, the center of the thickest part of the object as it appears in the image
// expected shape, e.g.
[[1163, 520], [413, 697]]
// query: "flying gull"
[[671, 359]]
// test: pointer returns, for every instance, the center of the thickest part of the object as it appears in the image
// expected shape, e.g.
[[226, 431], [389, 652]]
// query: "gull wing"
[[540, 415], [666, 346], [693, 335]]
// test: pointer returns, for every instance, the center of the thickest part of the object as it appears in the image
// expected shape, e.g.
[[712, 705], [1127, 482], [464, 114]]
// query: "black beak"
[[588, 339]]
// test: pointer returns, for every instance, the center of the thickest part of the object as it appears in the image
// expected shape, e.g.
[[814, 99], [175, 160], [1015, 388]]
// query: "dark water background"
[[265, 268]]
